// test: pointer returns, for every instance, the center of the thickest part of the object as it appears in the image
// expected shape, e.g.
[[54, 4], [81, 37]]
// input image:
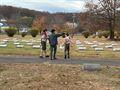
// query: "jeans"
[[53, 49], [67, 51]]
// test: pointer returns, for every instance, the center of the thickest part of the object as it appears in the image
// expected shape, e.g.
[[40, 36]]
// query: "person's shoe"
[[65, 57], [41, 57], [47, 56], [55, 58], [68, 57]]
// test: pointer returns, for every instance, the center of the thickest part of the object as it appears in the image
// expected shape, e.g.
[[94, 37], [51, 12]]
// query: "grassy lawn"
[[57, 77], [90, 52]]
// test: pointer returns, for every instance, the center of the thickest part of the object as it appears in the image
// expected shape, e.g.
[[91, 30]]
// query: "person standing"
[[43, 43], [67, 42], [53, 43]]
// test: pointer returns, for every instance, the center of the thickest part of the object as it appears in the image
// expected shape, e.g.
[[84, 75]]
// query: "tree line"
[[101, 16]]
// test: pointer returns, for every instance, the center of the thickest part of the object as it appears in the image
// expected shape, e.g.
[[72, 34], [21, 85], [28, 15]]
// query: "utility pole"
[[73, 21], [73, 17]]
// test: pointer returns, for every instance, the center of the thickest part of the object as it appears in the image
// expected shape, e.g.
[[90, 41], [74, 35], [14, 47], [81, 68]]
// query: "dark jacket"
[[53, 38]]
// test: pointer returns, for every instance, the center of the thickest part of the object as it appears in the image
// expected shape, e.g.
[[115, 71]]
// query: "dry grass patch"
[[57, 77]]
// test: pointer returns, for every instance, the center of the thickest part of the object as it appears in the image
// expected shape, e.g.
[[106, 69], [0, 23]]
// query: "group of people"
[[53, 42]]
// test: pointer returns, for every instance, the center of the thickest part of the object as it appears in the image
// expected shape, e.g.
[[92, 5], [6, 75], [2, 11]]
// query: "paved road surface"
[[36, 59]]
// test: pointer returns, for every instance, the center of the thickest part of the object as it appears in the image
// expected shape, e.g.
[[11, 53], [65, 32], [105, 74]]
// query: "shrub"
[[106, 34], [86, 34], [23, 34], [93, 36], [100, 34], [34, 32], [11, 31], [117, 35]]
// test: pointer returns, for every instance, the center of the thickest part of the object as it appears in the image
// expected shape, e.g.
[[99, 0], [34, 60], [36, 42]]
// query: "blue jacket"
[[53, 38]]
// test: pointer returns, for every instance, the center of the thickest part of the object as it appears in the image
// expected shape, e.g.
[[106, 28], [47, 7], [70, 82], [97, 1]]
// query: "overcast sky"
[[48, 5]]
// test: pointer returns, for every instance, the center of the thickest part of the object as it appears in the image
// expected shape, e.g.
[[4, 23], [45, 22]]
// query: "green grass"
[[90, 52]]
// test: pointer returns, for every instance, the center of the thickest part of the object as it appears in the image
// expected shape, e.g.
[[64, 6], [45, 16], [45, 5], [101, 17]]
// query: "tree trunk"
[[112, 34], [111, 30]]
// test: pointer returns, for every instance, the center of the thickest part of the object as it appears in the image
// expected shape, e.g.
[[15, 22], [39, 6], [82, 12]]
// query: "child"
[[67, 42], [43, 43]]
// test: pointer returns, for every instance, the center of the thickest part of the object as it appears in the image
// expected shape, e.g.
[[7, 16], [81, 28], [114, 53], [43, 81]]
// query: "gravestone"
[[78, 42], [116, 49], [92, 67], [36, 46], [94, 46], [23, 40], [5, 40], [82, 48], [109, 46], [99, 49], [3, 45], [80, 45], [16, 43], [101, 43], [19, 46], [61, 46], [114, 44], [88, 43], [30, 43]]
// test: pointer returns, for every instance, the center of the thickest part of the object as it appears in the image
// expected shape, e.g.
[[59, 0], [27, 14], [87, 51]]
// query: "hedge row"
[[12, 31]]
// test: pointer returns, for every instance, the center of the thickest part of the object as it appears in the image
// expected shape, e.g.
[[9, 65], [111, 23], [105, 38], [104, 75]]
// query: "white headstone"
[[101, 43], [36, 46], [19, 46], [94, 46], [99, 49], [87, 42], [80, 45], [23, 40], [109, 46], [78, 42], [114, 44], [16, 43], [3, 45], [116, 49], [82, 48], [61, 46], [5, 40], [30, 43]]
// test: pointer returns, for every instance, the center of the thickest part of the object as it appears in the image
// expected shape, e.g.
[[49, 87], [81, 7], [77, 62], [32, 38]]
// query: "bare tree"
[[107, 10]]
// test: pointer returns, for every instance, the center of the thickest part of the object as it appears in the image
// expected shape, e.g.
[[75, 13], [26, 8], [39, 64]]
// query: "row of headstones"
[[95, 45], [78, 44], [17, 40], [20, 46], [3, 44]]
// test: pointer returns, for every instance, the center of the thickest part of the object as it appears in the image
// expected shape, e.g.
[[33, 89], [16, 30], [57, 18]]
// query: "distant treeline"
[[10, 11]]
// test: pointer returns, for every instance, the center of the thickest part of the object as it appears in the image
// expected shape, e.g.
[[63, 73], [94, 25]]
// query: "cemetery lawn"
[[20, 76], [75, 53]]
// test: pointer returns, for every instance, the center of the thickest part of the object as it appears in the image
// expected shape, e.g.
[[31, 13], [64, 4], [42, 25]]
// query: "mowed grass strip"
[[90, 52]]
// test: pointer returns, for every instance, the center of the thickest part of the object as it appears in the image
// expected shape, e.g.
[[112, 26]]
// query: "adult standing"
[[53, 40]]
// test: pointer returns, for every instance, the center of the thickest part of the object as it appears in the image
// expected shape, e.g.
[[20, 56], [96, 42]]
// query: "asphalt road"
[[36, 59]]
